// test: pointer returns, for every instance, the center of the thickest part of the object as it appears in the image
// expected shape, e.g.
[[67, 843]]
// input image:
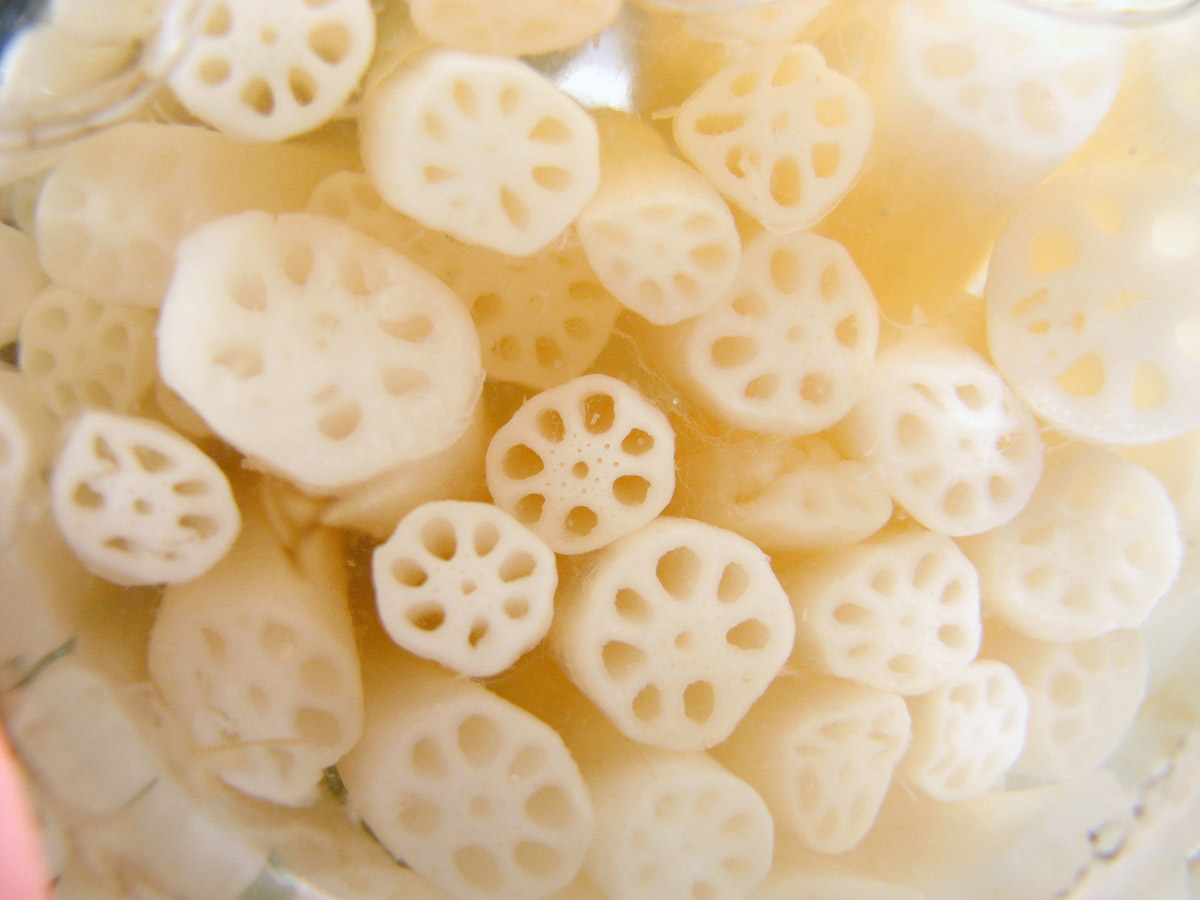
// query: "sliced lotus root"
[[779, 133], [772, 22], [823, 753], [84, 354], [899, 612], [658, 235], [1083, 697], [139, 504], [1094, 551], [28, 436], [966, 733], [315, 349], [512, 27], [466, 585], [269, 71], [468, 789], [947, 437], [800, 494], [1091, 303], [23, 279], [674, 632], [583, 464], [494, 153], [675, 826], [790, 346]]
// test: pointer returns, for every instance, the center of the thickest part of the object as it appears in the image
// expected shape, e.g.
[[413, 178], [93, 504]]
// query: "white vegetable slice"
[[1094, 551], [779, 133], [583, 464], [272, 69], [1092, 303], [23, 279], [949, 440], [138, 503], [777, 21], [493, 154], [28, 435], [316, 350], [512, 27], [674, 631]]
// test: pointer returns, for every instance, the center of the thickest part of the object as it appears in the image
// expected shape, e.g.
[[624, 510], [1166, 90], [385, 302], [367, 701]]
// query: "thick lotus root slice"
[[512, 27], [470, 790], [540, 159], [270, 70], [790, 347], [138, 504], [947, 437], [1094, 551], [674, 632], [316, 350], [899, 612], [823, 753], [779, 134], [1092, 304], [583, 464], [84, 354], [466, 585], [967, 733]]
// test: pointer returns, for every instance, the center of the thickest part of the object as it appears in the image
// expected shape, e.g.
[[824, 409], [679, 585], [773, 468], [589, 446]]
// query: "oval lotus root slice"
[[494, 153], [1094, 551], [138, 504], [583, 464], [947, 437], [674, 632], [779, 133], [466, 585], [1091, 303], [273, 69], [512, 27], [316, 350]]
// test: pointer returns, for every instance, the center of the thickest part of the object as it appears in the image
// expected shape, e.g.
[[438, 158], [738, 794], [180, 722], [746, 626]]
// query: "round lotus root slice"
[[1092, 303], [823, 753], [1094, 551], [790, 346], [270, 70], [583, 464], [493, 153], [674, 632], [471, 791], [138, 504], [966, 733], [466, 585], [779, 133], [899, 612], [512, 27], [316, 350], [946, 435]]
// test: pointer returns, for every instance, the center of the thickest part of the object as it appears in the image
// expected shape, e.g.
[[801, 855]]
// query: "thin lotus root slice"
[[81, 353], [674, 632], [1094, 551], [273, 69], [823, 753], [899, 612], [946, 435], [790, 346], [138, 504], [800, 494], [494, 153], [778, 133], [966, 733], [28, 435], [655, 232], [257, 659], [583, 464], [315, 349], [512, 27], [675, 826], [470, 790], [1083, 697], [466, 585], [23, 279], [1091, 303]]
